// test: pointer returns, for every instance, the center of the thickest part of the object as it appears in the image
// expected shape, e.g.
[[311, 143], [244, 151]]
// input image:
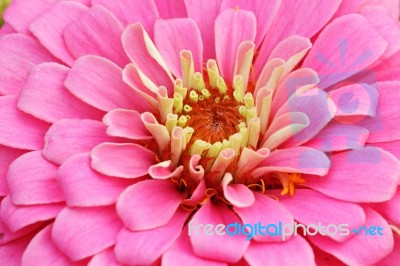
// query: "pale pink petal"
[[266, 211], [144, 55], [125, 123], [334, 66], [165, 170], [45, 97], [49, 28], [338, 137], [97, 32], [294, 160], [390, 209], [174, 35], [361, 249], [84, 187], [132, 11], [105, 258], [7, 156], [11, 254], [20, 130], [67, 137], [17, 217], [181, 254], [41, 251], [374, 174], [385, 126], [290, 46], [306, 204], [103, 85], [21, 12], [238, 195], [216, 247], [290, 20], [145, 247], [391, 5], [124, 160], [295, 251], [83, 232], [171, 8], [204, 12], [33, 180], [19, 53], [232, 27], [160, 196], [264, 11]]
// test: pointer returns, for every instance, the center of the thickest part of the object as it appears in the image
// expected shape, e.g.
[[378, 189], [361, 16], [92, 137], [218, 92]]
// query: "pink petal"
[[290, 20], [11, 254], [18, 217], [97, 32], [132, 11], [204, 12], [328, 62], [8, 235], [33, 180], [306, 209], [363, 175], [86, 187], [265, 210], [171, 37], [7, 156], [19, 53], [165, 170], [105, 258], [124, 160], [216, 247], [67, 137], [181, 254], [145, 247], [295, 251], [20, 130], [385, 126], [171, 8], [392, 146], [83, 232], [21, 12], [361, 249], [290, 46], [339, 137], [394, 257], [231, 29], [237, 194], [264, 11], [104, 78], [125, 123], [45, 97], [49, 28], [295, 160], [143, 54], [41, 251], [149, 204], [390, 209]]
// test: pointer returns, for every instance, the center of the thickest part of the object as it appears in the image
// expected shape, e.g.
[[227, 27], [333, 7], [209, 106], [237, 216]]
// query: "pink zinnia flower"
[[123, 123]]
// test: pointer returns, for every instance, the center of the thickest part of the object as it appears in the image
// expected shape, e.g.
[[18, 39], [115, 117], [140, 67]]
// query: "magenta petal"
[[394, 257], [18, 217], [392, 146], [124, 160], [67, 137], [295, 251], [374, 174], [306, 209], [390, 209], [358, 250], [216, 247], [231, 29], [49, 28], [145, 247], [324, 58], [33, 180], [171, 37], [97, 32], [104, 78], [160, 196], [83, 232], [105, 258], [20, 130], [19, 53], [11, 254], [84, 187], [8, 235], [45, 97], [171, 8], [125, 123], [7, 156], [266, 211]]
